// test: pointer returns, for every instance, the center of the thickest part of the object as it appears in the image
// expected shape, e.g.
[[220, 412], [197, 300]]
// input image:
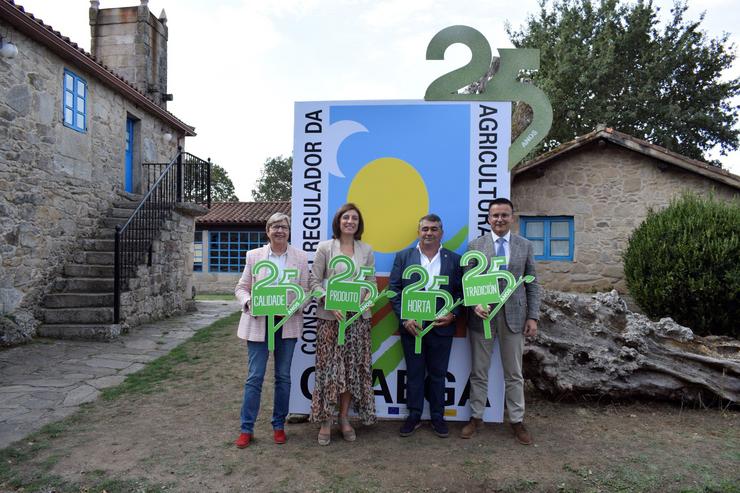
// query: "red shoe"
[[243, 440], [280, 437]]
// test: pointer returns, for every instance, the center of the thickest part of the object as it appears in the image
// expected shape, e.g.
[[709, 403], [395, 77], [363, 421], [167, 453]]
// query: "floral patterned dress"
[[340, 369]]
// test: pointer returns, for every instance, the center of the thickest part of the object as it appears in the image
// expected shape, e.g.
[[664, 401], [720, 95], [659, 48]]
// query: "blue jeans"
[[257, 358]]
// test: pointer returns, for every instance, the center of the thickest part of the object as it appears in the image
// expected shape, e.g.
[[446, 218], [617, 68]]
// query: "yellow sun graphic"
[[392, 197]]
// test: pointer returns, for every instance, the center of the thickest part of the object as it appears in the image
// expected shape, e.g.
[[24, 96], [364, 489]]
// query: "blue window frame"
[[74, 102], [227, 249], [198, 252], [552, 236]]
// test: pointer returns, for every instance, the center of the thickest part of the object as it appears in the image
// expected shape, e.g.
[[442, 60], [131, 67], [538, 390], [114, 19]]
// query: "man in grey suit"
[[517, 320]]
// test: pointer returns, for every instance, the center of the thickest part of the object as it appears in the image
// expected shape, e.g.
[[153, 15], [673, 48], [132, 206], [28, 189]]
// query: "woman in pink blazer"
[[254, 329]]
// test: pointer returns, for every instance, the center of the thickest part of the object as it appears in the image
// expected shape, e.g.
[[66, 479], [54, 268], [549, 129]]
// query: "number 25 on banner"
[[503, 85]]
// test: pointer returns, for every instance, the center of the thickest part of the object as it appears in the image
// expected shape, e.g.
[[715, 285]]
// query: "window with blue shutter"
[[74, 102], [552, 236]]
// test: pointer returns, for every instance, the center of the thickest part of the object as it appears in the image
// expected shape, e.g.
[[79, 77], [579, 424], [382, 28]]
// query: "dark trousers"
[[430, 363]]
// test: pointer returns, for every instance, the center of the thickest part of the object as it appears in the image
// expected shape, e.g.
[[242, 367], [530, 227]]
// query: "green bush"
[[684, 262]]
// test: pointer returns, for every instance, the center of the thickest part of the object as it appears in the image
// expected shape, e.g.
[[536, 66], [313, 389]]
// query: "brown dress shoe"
[[471, 428], [521, 434]]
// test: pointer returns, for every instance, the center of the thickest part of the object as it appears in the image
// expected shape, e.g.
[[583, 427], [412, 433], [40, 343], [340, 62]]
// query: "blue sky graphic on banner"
[[434, 140]]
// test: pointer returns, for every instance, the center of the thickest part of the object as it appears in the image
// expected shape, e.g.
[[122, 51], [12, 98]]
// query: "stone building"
[[223, 237], [75, 129], [579, 203]]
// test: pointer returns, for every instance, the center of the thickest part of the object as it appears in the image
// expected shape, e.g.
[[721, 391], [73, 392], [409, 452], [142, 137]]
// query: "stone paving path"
[[47, 380]]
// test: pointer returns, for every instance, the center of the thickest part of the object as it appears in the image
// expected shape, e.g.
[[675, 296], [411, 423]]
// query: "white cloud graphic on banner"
[[337, 133]]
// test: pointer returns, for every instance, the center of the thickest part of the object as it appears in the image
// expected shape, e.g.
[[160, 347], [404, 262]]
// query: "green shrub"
[[684, 262]]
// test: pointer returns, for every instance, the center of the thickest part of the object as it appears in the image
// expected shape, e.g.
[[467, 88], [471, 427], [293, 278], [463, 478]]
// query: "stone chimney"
[[132, 42]]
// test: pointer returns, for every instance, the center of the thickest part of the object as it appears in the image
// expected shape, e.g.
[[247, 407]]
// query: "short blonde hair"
[[277, 218]]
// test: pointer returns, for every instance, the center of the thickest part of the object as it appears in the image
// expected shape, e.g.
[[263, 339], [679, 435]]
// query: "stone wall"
[[55, 183], [133, 43], [215, 282], [608, 191], [166, 287]]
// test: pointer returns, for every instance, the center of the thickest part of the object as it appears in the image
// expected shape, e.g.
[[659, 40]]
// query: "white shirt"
[[432, 266], [507, 244], [279, 260]]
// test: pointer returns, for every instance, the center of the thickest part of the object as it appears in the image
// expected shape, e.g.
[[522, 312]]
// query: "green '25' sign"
[[504, 85], [273, 297]]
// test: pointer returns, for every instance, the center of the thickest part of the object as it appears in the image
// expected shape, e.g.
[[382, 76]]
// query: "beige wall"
[[215, 282], [608, 191]]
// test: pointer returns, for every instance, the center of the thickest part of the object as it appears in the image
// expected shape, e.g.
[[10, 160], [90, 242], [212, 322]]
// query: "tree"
[[609, 63], [222, 188], [275, 183]]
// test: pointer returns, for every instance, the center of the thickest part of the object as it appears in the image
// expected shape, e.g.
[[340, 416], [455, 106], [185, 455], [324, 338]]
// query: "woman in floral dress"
[[343, 373]]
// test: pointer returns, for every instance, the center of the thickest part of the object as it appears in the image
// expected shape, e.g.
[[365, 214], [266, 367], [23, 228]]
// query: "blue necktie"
[[500, 252]]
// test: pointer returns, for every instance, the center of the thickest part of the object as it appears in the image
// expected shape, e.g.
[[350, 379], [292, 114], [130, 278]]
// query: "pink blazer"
[[254, 328]]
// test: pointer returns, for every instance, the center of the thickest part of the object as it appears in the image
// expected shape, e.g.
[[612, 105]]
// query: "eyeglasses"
[[278, 227], [500, 216]]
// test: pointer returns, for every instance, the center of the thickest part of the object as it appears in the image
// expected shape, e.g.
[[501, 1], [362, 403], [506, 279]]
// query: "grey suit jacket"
[[525, 302]]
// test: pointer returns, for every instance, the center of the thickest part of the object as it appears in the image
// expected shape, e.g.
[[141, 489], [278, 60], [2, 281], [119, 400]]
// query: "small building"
[[76, 130], [580, 202], [222, 239]]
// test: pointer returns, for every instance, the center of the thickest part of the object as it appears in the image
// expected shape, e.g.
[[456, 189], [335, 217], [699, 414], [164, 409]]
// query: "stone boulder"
[[14, 331], [593, 345]]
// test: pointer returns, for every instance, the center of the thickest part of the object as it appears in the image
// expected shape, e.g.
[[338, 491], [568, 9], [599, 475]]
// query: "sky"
[[236, 67]]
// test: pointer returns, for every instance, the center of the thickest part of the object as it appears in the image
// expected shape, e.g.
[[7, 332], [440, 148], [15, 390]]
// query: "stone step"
[[77, 300], [112, 222], [99, 332], [87, 315], [99, 244], [88, 270], [119, 212], [126, 204], [95, 258], [106, 244], [83, 285]]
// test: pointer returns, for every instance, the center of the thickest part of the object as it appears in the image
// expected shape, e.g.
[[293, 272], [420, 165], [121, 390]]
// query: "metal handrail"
[[186, 178]]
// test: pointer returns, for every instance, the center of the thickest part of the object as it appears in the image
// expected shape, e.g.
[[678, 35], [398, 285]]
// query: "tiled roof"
[[242, 213], [637, 145], [43, 33]]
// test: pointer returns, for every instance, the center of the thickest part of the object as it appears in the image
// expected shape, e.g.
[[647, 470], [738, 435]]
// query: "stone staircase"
[[80, 303]]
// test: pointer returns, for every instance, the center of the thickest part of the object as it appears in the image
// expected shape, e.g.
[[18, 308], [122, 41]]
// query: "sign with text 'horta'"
[[420, 304]]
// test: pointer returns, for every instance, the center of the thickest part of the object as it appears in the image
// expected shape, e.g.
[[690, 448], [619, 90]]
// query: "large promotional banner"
[[398, 160]]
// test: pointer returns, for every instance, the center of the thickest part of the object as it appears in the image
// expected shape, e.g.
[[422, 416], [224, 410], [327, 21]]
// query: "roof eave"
[[34, 30], [636, 145]]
